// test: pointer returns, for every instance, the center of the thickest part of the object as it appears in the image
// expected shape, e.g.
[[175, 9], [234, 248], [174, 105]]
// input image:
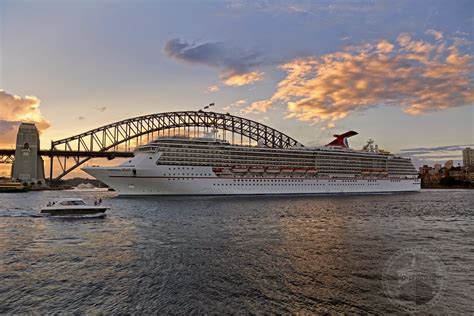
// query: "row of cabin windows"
[[287, 182], [299, 184], [214, 158], [247, 160], [332, 167], [269, 157], [185, 174], [190, 153], [252, 150], [289, 178], [246, 151]]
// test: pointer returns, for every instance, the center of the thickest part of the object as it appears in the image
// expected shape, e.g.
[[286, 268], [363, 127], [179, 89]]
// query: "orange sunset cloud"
[[243, 79], [415, 75], [15, 109]]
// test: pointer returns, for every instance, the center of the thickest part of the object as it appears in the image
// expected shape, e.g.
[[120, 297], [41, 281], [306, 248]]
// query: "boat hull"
[[74, 211], [192, 180]]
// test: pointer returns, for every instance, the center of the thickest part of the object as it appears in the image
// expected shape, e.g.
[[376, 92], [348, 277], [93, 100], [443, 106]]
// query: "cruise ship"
[[207, 165]]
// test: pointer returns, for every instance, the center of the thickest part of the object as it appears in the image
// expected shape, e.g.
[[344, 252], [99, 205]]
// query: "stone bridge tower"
[[28, 166]]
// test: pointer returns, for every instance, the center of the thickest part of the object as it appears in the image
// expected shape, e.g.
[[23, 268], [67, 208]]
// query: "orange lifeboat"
[[287, 170], [240, 169], [312, 171], [300, 170], [272, 170], [257, 169], [366, 172]]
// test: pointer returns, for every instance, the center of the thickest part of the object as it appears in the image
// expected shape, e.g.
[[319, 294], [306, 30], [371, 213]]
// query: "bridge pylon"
[[28, 165]]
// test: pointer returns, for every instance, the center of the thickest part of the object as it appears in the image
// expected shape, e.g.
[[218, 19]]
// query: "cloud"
[[437, 35], [302, 8], [8, 130], [236, 66], [258, 107], [81, 118], [14, 110], [417, 76], [431, 155], [385, 47], [439, 148], [101, 109], [417, 47], [236, 104], [213, 88], [243, 79], [239, 102]]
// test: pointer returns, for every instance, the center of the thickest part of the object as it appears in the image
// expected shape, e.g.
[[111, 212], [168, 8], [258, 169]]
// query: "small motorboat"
[[74, 207]]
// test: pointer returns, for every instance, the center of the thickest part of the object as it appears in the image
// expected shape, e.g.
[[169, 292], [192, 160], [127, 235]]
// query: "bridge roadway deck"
[[68, 153]]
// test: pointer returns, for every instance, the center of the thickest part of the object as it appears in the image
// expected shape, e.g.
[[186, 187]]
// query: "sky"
[[399, 72]]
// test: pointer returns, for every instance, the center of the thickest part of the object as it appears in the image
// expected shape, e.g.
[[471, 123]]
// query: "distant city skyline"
[[401, 73]]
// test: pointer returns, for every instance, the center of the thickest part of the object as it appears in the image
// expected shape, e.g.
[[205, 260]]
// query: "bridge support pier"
[[28, 165]]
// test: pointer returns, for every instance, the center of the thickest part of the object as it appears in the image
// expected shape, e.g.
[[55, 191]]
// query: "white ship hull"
[[192, 180]]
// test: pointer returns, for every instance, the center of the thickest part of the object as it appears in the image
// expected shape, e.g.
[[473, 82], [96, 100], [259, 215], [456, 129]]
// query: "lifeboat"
[[257, 169], [273, 170], [300, 170], [312, 171], [287, 170], [217, 170], [240, 169]]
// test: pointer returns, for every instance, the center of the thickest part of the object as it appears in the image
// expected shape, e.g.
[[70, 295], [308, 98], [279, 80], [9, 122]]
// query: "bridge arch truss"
[[119, 138]]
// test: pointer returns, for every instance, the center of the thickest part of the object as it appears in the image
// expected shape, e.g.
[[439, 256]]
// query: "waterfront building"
[[468, 158], [448, 164]]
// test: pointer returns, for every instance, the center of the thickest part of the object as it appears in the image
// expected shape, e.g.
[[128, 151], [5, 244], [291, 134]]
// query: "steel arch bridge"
[[115, 140]]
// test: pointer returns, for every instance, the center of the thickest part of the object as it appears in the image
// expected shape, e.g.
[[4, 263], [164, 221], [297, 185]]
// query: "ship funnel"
[[341, 140]]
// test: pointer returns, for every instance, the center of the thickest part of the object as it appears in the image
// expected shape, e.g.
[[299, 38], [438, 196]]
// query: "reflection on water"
[[228, 254]]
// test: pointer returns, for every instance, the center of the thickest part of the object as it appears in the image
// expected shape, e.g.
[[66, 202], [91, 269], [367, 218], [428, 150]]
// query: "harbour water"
[[275, 254]]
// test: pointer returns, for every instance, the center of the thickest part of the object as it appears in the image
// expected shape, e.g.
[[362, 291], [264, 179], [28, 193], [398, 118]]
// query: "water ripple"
[[219, 255]]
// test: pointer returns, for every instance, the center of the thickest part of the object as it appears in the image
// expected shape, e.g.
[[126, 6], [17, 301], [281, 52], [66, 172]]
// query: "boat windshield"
[[73, 203]]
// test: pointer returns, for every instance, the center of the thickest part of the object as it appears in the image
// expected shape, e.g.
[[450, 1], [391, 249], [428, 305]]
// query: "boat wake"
[[18, 213], [6, 213]]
